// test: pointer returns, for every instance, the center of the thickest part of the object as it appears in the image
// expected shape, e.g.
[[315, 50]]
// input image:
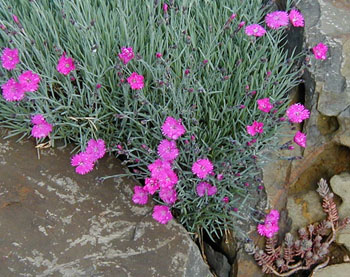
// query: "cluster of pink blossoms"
[[202, 168], [276, 20], [163, 178], [41, 127], [27, 81], [135, 80], [270, 226], [85, 161], [297, 113], [320, 51]]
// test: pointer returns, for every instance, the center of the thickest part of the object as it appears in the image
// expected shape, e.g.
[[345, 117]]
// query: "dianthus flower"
[[168, 195], [12, 91], [204, 188], [38, 119], [202, 168], [264, 105], [255, 30], [167, 178], [273, 216], [277, 19], [296, 18], [127, 54], [173, 128], [167, 150], [157, 167], [151, 185], [83, 162], [29, 80], [140, 195], [256, 127], [65, 65], [41, 130], [9, 58], [296, 113], [136, 81], [320, 51], [268, 229], [162, 214], [300, 139], [96, 148]]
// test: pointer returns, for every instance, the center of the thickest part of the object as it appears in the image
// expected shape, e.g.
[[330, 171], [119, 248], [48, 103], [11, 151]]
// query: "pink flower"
[[127, 54], [96, 148], [41, 130], [255, 30], [233, 16], [220, 177], [15, 19], [83, 162], [162, 214], [136, 81], [273, 217], [168, 195], [277, 19], [140, 195], [225, 199], [65, 65], [167, 150], [296, 113], [296, 18], [9, 58], [157, 167], [256, 127], [29, 80], [202, 168], [165, 7], [320, 51], [38, 119], [158, 55], [264, 105], [204, 188], [167, 178], [300, 139], [241, 24], [173, 128], [12, 91], [151, 185]]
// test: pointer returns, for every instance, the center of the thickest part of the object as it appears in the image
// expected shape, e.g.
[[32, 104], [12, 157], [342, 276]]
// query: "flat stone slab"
[[54, 222]]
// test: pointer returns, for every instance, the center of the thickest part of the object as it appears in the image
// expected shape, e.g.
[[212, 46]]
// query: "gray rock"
[[54, 222], [340, 185], [337, 270], [304, 209], [217, 261]]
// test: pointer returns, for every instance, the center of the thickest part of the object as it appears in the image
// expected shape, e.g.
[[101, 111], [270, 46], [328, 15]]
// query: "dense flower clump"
[[270, 226]]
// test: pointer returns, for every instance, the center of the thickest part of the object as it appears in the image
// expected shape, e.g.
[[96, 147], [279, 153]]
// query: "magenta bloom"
[[83, 162], [165, 7], [158, 55], [264, 105], [9, 58], [277, 19], [96, 148], [300, 139], [173, 128], [65, 65], [255, 30], [157, 167], [202, 168], [268, 229], [29, 80], [296, 113], [38, 119], [273, 217], [12, 91], [256, 127], [320, 51], [167, 150], [168, 195], [140, 195], [167, 178], [204, 188], [296, 18], [127, 54], [41, 130], [15, 19], [162, 214], [151, 185], [136, 81]]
